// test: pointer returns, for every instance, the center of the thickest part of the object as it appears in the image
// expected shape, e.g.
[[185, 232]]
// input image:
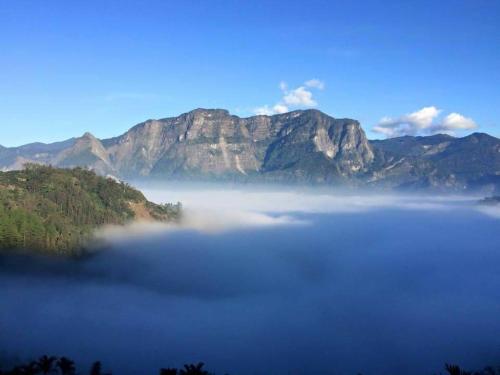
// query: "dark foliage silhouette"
[[96, 369], [64, 366], [194, 370], [169, 371], [46, 364], [187, 370], [456, 370]]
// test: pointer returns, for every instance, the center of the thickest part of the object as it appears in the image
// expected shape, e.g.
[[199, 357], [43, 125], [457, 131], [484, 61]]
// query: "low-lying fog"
[[272, 283]]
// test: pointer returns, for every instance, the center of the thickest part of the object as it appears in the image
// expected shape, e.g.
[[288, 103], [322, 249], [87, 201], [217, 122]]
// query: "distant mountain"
[[85, 151], [41, 153], [298, 147], [438, 161]]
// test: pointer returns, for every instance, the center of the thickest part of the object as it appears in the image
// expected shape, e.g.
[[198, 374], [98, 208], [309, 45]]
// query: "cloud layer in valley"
[[298, 97], [245, 209], [425, 121], [312, 299]]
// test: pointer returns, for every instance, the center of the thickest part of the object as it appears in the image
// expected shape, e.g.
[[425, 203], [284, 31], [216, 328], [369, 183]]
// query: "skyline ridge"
[[241, 117], [300, 147]]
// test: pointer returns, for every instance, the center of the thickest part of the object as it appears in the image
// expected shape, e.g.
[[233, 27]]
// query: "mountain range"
[[304, 146]]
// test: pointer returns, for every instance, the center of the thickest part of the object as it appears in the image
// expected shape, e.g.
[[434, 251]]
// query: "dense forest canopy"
[[56, 210]]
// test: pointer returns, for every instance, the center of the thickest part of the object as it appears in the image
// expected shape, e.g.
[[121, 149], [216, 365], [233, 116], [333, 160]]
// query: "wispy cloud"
[[425, 121], [315, 83], [268, 111], [301, 96]]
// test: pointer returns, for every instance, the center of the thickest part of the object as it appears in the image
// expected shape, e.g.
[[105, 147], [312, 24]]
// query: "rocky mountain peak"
[[209, 112], [298, 146], [477, 137], [88, 135]]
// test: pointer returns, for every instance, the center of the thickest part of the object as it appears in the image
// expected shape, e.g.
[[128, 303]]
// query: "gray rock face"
[[212, 143], [86, 151], [301, 146]]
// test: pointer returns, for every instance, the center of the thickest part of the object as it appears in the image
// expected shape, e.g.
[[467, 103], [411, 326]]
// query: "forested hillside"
[[55, 210]]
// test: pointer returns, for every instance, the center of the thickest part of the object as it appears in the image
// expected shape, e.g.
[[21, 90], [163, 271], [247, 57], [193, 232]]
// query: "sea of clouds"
[[255, 281]]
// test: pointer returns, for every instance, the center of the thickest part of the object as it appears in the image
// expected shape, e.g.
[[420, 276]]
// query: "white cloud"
[[455, 121], [409, 124], [280, 108], [423, 122], [422, 118], [315, 83], [388, 132], [288, 202], [301, 96], [264, 110]]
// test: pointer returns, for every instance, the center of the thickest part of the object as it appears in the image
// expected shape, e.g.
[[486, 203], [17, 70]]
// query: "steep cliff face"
[[315, 147], [300, 146], [212, 143], [201, 142]]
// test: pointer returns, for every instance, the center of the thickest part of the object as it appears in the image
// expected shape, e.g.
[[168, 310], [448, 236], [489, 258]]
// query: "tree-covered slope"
[[56, 210]]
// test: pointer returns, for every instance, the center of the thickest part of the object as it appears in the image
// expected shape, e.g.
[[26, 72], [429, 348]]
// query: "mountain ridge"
[[303, 146]]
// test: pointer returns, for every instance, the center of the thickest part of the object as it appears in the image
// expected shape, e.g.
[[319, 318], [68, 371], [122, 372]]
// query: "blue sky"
[[413, 67]]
